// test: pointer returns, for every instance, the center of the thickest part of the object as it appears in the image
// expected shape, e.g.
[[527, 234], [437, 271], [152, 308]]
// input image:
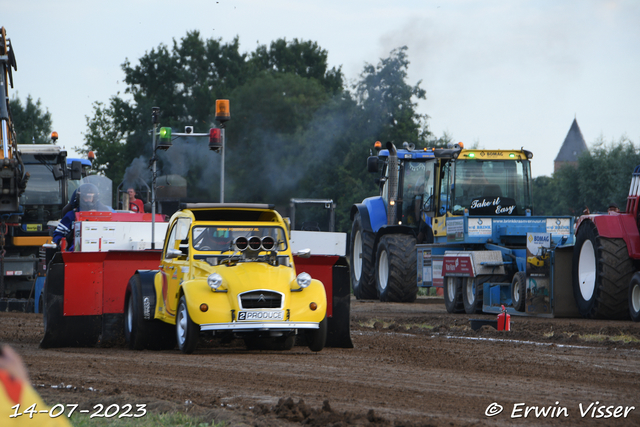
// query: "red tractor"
[[606, 261]]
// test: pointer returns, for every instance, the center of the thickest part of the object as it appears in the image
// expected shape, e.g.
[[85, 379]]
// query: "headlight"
[[214, 281], [303, 280]]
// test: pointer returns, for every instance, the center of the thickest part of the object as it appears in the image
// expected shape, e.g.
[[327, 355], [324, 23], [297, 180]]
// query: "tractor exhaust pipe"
[[393, 183]]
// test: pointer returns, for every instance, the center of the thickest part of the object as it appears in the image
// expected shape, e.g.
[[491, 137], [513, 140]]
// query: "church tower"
[[572, 147]]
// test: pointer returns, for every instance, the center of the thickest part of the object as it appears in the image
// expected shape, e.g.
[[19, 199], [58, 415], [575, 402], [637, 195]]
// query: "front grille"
[[261, 299]]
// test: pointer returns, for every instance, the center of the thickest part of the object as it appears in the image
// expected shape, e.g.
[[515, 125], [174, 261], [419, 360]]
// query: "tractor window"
[[41, 189], [445, 185], [417, 182], [220, 239], [492, 187]]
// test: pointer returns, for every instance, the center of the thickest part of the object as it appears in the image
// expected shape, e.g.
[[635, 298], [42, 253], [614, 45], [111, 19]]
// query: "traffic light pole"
[[154, 120], [222, 150]]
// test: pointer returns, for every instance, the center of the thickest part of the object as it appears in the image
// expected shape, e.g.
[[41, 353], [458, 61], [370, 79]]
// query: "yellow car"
[[226, 270]]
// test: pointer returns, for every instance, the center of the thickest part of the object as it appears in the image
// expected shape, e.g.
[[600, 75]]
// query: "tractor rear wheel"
[[634, 297], [396, 270], [518, 290], [602, 272], [362, 274], [473, 293], [453, 294]]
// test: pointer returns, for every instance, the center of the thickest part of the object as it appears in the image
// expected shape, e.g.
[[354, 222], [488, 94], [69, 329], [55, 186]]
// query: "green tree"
[[388, 103], [295, 130], [107, 135], [31, 124], [184, 83], [602, 176], [544, 203], [302, 58]]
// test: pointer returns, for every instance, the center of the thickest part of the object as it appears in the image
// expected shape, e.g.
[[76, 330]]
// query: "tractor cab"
[[407, 176], [483, 183], [476, 184]]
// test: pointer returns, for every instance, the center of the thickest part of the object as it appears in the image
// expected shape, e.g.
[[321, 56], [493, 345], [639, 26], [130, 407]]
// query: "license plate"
[[267, 315]]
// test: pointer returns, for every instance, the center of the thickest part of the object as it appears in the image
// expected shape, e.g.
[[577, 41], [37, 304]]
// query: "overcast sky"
[[504, 74]]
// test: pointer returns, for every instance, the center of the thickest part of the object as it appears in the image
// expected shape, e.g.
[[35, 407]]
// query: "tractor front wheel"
[[362, 273]]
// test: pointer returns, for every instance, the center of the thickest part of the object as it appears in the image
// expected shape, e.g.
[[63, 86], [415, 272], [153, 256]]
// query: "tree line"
[[297, 128], [602, 177]]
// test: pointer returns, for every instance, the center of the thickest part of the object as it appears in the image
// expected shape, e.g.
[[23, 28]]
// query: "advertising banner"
[[538, 300]]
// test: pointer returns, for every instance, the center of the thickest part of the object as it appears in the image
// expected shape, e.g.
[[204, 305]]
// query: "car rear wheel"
[[139, 333], [186, 331]]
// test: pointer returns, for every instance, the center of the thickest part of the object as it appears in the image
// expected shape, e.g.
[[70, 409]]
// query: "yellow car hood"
[[245, 276]]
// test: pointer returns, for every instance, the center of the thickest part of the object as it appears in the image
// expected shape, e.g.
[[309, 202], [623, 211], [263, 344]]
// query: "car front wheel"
[[316, 338], [186, 331]]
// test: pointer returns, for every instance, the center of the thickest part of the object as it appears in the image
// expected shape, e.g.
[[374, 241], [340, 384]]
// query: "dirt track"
[[413, 364]]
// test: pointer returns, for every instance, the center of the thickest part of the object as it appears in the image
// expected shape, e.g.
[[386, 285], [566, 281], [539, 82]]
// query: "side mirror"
[[173, 253], [303, 253], [372, 164], [57, 172], [76, 170]]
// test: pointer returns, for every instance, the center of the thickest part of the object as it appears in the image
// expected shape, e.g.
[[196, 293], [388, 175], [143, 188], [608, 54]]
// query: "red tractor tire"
[[602, 271]]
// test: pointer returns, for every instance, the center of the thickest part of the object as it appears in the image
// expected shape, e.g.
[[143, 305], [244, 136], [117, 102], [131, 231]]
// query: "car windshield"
[[219, 239]]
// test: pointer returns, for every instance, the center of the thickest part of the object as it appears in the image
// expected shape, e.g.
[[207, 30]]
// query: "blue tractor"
[[459, 219], [386, 228]]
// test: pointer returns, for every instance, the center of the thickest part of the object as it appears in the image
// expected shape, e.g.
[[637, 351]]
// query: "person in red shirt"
[[135, 205]]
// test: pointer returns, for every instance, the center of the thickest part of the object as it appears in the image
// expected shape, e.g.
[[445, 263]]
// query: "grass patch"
[[149, 420], [419, 325], [622, 338], [593, 337], [370, 322]]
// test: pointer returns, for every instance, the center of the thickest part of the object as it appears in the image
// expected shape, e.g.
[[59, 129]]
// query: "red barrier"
[[95, 282], [320, 267]]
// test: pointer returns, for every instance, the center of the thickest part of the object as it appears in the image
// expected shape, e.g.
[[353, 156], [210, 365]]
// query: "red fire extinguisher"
[[504, 320]]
